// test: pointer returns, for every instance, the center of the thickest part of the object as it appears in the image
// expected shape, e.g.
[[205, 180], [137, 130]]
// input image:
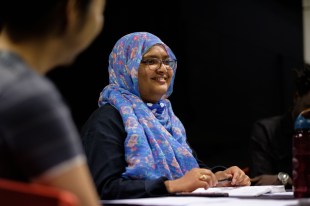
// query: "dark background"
[[234, 65]]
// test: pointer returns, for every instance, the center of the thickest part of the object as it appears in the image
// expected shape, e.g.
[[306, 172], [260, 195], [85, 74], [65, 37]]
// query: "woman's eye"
[[151, 61], [166, 62]]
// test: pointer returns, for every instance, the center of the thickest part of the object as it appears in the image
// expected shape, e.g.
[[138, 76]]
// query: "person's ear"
[[71, 15]]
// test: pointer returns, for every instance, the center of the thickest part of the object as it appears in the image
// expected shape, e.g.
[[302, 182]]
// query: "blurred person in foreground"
[[38, 139]]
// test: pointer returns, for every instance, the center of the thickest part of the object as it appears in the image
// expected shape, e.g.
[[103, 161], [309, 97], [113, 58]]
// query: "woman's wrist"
[[170, 186]]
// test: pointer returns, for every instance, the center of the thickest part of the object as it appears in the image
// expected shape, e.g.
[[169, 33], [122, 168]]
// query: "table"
[[275, 199]]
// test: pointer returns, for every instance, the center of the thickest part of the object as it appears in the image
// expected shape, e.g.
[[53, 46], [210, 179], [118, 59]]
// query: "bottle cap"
[[303, 120]]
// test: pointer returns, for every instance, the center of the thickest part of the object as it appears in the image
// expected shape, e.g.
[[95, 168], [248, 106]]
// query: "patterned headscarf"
[[155, 145]]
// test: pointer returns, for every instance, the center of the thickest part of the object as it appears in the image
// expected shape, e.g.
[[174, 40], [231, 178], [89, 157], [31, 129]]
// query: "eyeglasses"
[[155, 63]]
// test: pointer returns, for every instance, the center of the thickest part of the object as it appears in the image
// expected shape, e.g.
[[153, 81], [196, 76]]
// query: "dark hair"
[[24, 19], [302, 80]]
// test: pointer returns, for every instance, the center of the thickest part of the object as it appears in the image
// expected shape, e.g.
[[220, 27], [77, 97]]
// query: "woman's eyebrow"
[[155, 56]]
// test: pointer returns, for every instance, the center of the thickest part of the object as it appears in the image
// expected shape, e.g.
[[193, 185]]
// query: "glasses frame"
[[162, 62]]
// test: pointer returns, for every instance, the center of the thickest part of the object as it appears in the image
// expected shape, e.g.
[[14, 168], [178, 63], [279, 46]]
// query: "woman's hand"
[[195, 178], [238, 177]]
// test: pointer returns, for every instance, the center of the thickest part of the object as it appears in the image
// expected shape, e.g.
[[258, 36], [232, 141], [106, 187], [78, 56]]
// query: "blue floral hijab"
[[155, 145]]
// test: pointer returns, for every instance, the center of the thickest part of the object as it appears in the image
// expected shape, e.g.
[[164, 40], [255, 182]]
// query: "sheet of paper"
[[244, 191], [246, 202]]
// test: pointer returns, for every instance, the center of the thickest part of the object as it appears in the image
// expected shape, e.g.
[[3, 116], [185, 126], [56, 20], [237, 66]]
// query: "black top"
[[103, 137], [271, 146], [37, 133]]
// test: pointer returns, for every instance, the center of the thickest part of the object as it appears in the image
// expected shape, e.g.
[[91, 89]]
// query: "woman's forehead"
[[157, 49]]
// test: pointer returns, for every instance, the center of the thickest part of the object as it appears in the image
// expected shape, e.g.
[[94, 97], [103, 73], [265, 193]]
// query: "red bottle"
[[301, 155]]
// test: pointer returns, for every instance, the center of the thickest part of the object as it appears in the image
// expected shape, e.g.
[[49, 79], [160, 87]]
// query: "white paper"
[[243, 191]]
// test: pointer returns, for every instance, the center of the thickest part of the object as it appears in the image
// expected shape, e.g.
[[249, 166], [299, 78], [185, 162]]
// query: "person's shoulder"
[[271, 120], [104, 118], [20, 85], [12, 70], [272, 125], [103, 114], [16, 74], [35, 89], [105, 111]]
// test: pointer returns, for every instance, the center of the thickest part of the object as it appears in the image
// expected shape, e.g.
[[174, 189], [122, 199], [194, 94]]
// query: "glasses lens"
[[155, 63], [172, 64]]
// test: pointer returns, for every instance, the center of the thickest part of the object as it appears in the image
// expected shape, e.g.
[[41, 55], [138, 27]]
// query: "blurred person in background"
[[271, 139]]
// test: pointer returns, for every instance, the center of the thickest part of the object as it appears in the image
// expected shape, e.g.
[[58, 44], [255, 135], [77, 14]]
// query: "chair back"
[[13, 193]]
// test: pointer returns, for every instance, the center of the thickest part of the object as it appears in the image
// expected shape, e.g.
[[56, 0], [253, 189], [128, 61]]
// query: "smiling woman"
[[136, 146]]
